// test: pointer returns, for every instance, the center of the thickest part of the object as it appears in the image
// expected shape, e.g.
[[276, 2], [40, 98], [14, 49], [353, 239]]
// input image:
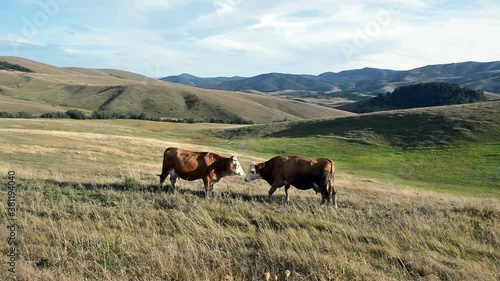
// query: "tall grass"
[[104, 232]]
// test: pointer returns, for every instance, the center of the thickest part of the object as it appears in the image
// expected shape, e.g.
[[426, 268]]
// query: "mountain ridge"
[[367, 80]]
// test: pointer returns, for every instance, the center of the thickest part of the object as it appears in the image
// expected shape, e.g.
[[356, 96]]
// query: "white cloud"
[[224, 7], [453, 40], [151, 5], [225, 12], [15, 40], [238, 37]]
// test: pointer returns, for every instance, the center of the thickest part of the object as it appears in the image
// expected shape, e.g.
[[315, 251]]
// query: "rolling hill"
[[347, 86], [409, 128], [124, 92]]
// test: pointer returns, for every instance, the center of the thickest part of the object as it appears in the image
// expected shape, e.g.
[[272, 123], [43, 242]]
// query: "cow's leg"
[[208, 185], [212, 189], [333, 194], [287, 186], [274, 186], [162, 179], [163, 176], [173, 179], [324, 196], [323, 188]]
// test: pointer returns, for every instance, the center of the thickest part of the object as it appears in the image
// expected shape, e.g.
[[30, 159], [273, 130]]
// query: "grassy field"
[[464, 170], [87, 209], [454, 149]]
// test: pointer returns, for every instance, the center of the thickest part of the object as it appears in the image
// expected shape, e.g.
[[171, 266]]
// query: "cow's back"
[[304, 173], [189, 165]]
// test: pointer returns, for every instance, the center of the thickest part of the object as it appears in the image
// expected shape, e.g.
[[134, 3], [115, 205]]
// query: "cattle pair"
[[278, 171]]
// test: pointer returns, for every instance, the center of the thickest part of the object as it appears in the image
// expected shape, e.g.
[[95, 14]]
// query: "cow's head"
[[235, 167], [253, 172]]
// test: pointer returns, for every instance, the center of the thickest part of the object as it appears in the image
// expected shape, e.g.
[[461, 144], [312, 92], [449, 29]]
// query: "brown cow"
[[191, 165], [302, 173]]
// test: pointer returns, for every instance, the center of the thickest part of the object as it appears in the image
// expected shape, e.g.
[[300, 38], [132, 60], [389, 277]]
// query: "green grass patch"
[[467, 170]]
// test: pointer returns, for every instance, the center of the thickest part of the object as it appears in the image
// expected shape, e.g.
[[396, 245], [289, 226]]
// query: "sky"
[[209, 38]]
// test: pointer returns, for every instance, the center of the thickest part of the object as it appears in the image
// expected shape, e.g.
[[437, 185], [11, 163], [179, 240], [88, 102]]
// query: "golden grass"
[[80, 220], [16, 105], [86, 156], [70, 232]]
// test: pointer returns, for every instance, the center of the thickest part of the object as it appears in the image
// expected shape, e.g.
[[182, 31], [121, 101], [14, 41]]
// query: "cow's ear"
[[260, 166]]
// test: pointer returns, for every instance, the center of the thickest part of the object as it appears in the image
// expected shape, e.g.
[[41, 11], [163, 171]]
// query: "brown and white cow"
[[300, 172], [191, 165]]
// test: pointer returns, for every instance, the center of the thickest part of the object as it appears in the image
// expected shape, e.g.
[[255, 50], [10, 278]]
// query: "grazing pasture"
[[88, 208]]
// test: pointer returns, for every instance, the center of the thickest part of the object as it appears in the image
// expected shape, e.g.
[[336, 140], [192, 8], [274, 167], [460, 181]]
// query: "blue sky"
[[242, 37]]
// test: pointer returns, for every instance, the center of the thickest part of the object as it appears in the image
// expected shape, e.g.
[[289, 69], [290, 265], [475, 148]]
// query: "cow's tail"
[[331, 189]]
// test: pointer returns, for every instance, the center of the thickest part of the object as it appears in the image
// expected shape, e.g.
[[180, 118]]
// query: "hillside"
[[110, 72], [124, 92], [412, 128], [332, 88], [417, 95]]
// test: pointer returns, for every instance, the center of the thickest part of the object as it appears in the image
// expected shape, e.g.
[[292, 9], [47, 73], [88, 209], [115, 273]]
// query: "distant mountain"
[[269, 82], [371, 81], [275, 82], [417, 95], [357, 74], [191, 80]]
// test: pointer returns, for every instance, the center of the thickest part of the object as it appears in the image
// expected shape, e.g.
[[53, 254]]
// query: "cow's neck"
[[220, 168], [266, 172]]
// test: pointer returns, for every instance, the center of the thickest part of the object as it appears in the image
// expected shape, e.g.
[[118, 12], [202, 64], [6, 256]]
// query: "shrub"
[[23, 114], [76, 114], [191, 100], [54, 115], [4, 114]]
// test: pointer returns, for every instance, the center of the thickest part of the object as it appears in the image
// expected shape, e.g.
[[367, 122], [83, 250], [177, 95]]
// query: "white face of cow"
[[236, 167], [252, 173]]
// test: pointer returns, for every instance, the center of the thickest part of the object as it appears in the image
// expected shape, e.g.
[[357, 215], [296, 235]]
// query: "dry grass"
[[80, 220], [16, 105], [74, 232]]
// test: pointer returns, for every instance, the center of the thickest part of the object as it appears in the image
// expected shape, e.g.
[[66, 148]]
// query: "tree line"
[[428, 94], [80, 115], [10, 66]]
